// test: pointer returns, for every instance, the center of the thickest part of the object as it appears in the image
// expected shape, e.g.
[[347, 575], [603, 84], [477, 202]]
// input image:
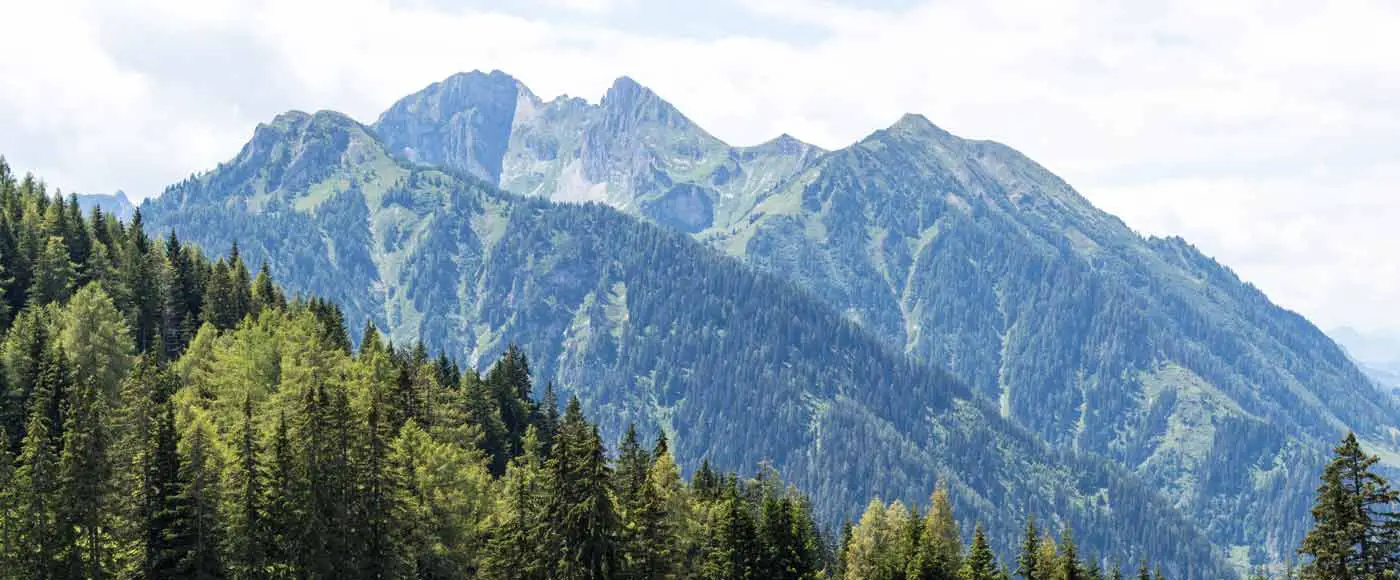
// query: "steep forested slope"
[[646, 325], [970, 257]]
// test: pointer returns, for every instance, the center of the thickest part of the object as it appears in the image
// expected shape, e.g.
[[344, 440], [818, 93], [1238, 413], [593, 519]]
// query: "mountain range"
[[911, 308], [116, 204]]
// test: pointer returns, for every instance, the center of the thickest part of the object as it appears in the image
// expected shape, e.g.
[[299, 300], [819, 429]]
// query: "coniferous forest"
[[165, 415]]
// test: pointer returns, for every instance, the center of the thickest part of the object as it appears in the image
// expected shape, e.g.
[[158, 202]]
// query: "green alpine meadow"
[[495, 336]]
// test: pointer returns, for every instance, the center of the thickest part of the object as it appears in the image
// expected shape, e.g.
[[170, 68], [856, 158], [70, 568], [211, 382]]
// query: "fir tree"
[[248, 538], [1069, 567], [53, 274], [84, 475], [580, 507], [520, 549], [1028, 562], [981, 563], [196, 532], [1357, 530], [36, 487]]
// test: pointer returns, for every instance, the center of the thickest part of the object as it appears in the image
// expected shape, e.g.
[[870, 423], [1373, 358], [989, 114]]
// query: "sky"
[[1264, 132]]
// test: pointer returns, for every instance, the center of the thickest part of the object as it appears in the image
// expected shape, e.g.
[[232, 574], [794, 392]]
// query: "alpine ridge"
[[1080, 342]]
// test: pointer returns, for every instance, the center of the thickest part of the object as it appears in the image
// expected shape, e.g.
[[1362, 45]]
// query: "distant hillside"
[[648, 325], [969, 256], [113, 203]]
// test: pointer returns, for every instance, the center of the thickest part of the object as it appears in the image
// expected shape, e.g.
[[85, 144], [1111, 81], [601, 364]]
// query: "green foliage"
[[1357, 530], [647, 326]]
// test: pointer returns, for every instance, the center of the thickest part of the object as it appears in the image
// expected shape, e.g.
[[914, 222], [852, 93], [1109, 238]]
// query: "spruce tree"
[[1357, 530], [521, 549], [981, 563], [630, 482], [196, 532], [9, 512], [1028, 562], [248, 536], [379, 513], [284, 506], [54, 276], [1069, 567], [84, 479], [37, 490], [580, 507]]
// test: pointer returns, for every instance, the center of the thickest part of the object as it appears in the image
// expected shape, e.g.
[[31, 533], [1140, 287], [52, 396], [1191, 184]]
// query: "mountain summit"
[[953, 254]]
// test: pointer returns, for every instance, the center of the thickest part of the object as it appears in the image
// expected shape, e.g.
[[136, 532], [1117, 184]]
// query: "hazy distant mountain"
[[113, 203], [648, 325], [1378, 354]]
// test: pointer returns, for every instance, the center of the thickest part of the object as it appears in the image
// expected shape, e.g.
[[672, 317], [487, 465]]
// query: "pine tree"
[[1094, 570], [218, 306], [1069, 567], [520, 548], [138, 277], [284, 507], [939, 553], [182, 300], [732, 553], [84, 479], [1028, 562], [54, 276], [240, 286], [1357, 530], [630, 482], [248, 538], [22, 356], [196, 531], [37, 486], [482, 409], [9, 512], [133, 457], [580, 507], [981, 562], [266, 295], [162, 510], [379, 511], [509, 383]]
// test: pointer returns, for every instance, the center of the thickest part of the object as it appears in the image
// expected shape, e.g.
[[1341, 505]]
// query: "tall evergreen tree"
[[284, 506], [1028, 562], [54, 275], [162, 511], [196, 532], [83, 479], [36, 486], [580, 507], [1357, 530], [520, 548], [247, 539], [981, 563], [379, 512], [1069, 567]]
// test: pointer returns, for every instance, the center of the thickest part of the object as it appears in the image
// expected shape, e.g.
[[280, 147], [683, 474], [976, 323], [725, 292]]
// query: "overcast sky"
[[1265, 132]]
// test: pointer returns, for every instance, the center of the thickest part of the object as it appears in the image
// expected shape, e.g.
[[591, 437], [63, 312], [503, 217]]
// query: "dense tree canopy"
[[167, 416]]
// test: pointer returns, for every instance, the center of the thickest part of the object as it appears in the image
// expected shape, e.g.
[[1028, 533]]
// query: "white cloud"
[[1263, 131]]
